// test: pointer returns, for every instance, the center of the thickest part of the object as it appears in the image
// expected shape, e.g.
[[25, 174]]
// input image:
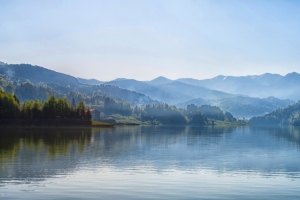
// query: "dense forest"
[[286, 116], [53, 108]]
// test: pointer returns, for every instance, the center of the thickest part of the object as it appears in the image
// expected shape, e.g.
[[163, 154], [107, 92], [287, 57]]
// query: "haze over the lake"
[[146, 39]]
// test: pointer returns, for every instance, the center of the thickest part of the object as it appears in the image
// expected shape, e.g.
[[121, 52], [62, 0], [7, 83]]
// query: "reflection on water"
[[183, 161], [37, 153]]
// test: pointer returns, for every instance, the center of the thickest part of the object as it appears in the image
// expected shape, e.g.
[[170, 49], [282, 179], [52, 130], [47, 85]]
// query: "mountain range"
[[45, 82], [243, 96], [265, 85], [172, 92], [261, 86]]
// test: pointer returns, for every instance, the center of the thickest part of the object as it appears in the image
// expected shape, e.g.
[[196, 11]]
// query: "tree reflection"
[[44, 152], [41, 143]]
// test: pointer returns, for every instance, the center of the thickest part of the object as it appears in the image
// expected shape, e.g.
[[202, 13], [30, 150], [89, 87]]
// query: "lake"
[[150, 162]]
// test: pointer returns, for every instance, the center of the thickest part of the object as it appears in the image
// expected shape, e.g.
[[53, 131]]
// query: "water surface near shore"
[[150, 162]]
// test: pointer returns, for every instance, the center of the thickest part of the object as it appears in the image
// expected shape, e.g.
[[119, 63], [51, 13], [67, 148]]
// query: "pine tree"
[[73, 104]]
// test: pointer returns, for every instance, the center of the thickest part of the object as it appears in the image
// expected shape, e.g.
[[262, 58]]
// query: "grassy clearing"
[[96, 123], [126, 119]]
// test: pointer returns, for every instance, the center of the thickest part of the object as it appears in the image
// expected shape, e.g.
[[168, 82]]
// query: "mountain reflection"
[[38, 153]]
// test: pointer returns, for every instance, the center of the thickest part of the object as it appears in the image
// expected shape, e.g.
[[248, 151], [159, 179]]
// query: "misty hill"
[[172, 93], [45, 82], [154, 92], [119, 79], [286, 116], [37, 74], [288, 86], [242, 106], [194, 91], [130, 84], [284, 87], [159, 81], [89, 81]]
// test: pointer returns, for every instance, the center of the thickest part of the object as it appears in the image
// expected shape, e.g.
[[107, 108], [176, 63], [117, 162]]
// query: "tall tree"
[[81, 109]]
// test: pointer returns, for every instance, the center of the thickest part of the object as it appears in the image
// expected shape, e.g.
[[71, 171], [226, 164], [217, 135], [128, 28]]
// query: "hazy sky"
[[145, 39]]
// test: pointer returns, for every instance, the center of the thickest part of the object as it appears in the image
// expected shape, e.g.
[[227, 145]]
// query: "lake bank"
[[52, 123]]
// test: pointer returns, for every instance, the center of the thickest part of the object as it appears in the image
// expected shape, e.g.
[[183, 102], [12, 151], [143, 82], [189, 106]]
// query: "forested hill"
[[286, 116], [89, 81], [243, 106], [37, 74], [33, 82]]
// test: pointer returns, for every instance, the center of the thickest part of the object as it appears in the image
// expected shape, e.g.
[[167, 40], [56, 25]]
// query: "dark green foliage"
[[112, 106], [73, 105], [9, 106], [287, 116], [212, 112], [27, 91], [198, 118], [51, 109], [164, 114], [63, 108], [81, 110], [88, 114], [195, 115], [200, 114]]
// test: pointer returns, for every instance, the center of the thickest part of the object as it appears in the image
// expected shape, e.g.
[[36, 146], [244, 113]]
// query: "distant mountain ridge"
[[89, 81], [265, 85], [262, 86], [172, 92], [159, 81], [37, 74]]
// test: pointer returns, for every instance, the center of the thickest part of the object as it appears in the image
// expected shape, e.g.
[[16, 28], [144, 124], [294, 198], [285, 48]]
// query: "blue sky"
[[145, 39]]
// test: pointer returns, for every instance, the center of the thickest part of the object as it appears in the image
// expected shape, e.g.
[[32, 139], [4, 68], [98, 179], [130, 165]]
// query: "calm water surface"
[[148, 162]]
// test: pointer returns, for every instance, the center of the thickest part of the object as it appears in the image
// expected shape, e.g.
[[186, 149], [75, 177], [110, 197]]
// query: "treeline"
[[201, 114], [166, 114], [53, 108], [286, 116]]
